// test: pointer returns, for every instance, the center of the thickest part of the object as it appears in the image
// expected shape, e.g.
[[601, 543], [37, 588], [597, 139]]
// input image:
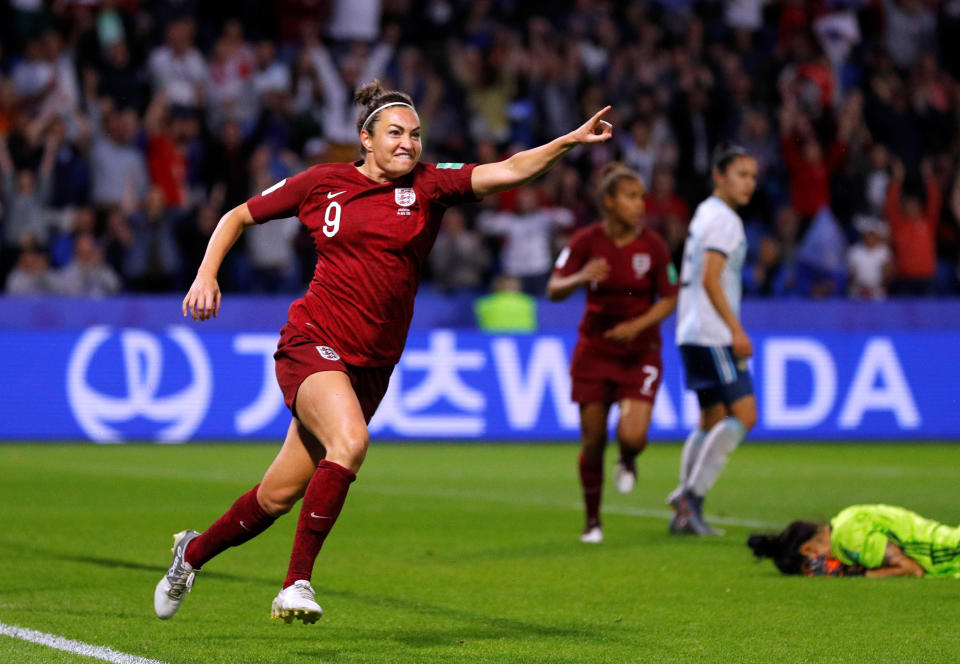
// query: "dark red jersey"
[[371, 240], [640, 273]]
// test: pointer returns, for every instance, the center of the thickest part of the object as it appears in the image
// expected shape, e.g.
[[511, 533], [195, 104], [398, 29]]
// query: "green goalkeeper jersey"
[[859, 536]]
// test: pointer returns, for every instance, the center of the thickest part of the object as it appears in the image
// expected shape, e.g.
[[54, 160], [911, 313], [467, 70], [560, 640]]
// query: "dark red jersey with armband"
[[371, 240], [640, 272]]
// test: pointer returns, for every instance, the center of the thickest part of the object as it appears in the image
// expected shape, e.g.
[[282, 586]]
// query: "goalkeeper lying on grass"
[[864, 540]]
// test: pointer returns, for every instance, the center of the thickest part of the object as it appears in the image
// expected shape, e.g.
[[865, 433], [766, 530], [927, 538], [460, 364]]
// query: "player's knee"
[[592, 444], [277, 501], [747, 417], [348, 447], [633, 441]]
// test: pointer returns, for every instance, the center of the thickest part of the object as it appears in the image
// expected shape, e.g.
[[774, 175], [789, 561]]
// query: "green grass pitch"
[[467, 553]]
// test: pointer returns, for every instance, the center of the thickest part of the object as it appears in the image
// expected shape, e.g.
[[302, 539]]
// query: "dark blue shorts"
[[715, 374]]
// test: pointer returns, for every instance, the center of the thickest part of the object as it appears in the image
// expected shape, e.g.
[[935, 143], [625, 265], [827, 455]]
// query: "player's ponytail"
[[371, 98], [784, 548], [609, 177]]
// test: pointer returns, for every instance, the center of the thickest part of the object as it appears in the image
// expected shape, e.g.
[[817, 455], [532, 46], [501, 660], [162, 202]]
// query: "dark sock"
[[242, 522], [628, 455], [591, 479], [322, 503]]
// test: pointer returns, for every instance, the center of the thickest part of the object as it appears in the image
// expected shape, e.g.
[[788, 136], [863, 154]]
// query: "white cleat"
[[625, 478], [592, 535], [178, 580], [296, 601]]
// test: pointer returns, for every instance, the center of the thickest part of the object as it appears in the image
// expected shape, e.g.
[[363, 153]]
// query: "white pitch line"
[[77, 647]]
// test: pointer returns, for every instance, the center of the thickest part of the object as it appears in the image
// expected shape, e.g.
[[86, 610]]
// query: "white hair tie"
[[393, 103]]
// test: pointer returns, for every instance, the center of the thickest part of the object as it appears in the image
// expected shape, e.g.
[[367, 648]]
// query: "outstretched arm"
[[203, 299], [530, 164]]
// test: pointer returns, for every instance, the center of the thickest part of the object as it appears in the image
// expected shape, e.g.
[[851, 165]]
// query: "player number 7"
[[651, 372]]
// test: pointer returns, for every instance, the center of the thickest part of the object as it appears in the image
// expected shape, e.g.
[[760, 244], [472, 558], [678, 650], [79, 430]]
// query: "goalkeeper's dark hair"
[[725, 154], [784, 548]]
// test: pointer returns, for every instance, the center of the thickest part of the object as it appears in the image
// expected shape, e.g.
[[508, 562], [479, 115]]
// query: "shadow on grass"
[[476, 626]]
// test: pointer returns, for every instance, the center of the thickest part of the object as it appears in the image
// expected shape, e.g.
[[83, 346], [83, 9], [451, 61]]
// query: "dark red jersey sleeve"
[[447, 183], [284, 198], [664, 273], [574, 256]]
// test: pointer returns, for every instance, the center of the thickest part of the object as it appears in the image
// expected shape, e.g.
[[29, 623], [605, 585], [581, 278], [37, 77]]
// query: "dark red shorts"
[[601, 378], [298, 357]]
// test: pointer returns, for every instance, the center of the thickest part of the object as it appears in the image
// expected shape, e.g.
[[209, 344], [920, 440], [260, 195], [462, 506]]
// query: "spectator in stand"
[[909, 28], [822, 258], [337, 80], [169, 130], [152, 261], [870, 261], [87, 275], [913, 227], [25, 194], [177, 68], [459, 260], [230, 83], [877, 180], [639, 150], [270, 74], [273, 257], [119, 78], [32, 274], [117, 167], [528, 234], [666, 213], [764, 276], [809, 165]]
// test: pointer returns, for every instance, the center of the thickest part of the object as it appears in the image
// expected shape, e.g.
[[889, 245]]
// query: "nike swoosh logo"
[[243, 525], [317, 516], [330, 194]]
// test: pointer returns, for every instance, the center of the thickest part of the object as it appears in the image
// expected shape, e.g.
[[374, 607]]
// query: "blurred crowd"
[[127, 127]]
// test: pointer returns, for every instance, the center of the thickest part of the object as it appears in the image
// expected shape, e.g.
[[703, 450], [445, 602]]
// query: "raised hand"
[[594, 130]]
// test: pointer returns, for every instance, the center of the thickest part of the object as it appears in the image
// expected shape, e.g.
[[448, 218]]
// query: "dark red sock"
[[591, 479], [321, 506], [243, 521]]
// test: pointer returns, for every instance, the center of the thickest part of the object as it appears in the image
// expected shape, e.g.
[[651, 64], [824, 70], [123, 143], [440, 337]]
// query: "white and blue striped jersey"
[[715, 227]]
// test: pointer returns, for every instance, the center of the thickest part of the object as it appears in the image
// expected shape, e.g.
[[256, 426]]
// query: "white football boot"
[[296, 601], [592, 535], [178, 580], [624, 477]]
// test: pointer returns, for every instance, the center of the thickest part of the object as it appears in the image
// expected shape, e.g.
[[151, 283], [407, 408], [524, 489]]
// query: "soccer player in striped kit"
[[373, 223], [631, 287], [713, 344]]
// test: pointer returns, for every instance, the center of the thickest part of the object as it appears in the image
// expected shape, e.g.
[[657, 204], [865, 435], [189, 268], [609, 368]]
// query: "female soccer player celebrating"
[[713, 344], [373, 223], [631, 287], [878, 540]]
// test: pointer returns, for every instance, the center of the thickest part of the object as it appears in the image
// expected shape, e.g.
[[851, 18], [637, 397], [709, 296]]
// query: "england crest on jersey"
[[405, 196], [641, 264]]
